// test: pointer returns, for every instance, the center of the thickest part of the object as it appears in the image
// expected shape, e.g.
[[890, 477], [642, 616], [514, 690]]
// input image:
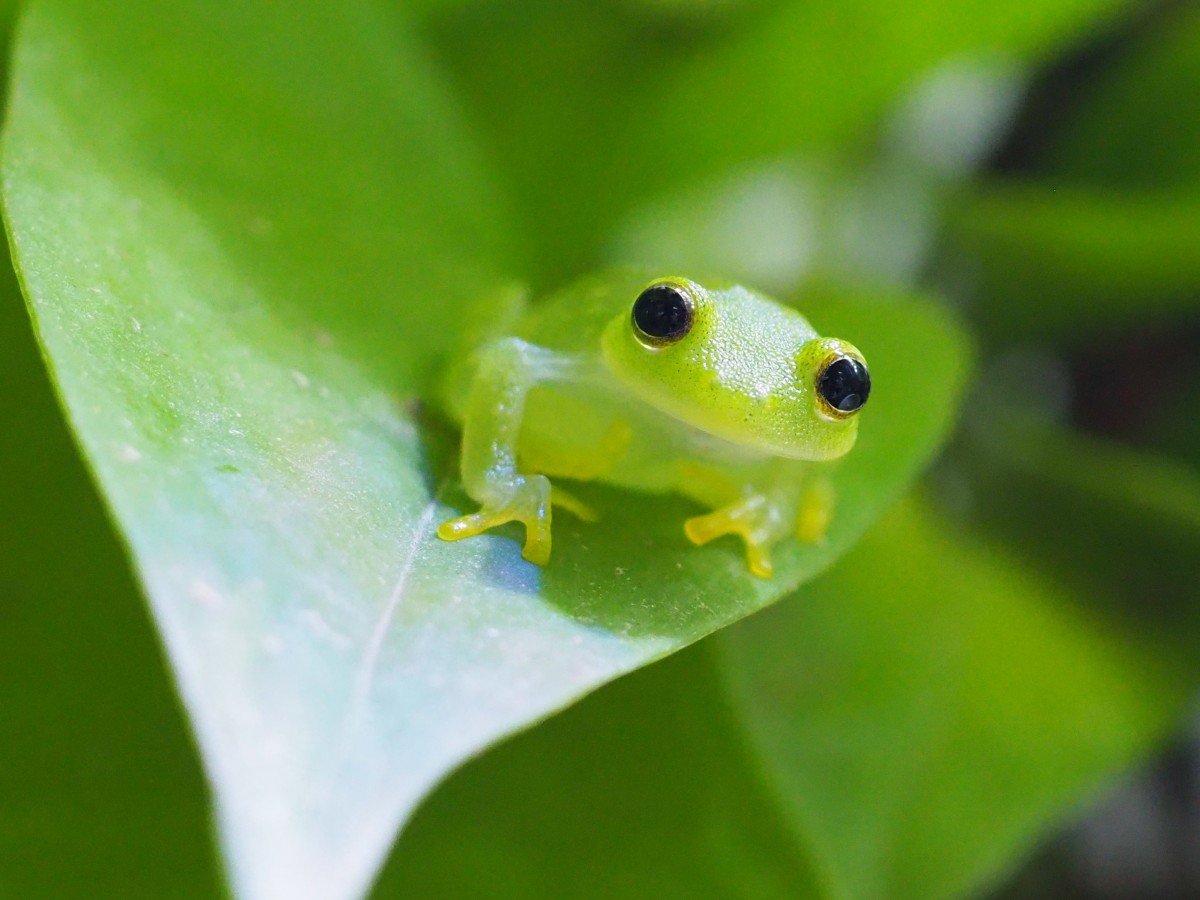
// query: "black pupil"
[[662, 313], [845, 384]]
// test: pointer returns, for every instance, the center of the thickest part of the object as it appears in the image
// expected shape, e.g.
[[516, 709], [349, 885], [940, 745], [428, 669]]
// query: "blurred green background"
[[995, 690]]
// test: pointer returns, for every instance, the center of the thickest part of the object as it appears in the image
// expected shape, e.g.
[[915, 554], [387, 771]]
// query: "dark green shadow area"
[[101, 790], [934, 704], [642, 790], [1120, 526]]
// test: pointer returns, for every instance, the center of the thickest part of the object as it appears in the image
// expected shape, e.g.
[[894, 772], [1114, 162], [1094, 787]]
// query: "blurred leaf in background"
[[1128, 129], [1096, 227], [934, 703], [573, 96], [1073, 264]]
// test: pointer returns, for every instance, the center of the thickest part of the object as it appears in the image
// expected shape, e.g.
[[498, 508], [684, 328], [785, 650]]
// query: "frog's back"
[[573, 319], [568, 321]]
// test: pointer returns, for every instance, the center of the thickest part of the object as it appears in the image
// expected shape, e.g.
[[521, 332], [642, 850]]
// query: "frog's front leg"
[[790, 500], [505, 373]]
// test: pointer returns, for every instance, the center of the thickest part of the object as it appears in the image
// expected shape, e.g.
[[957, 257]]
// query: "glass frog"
[[666, 385]]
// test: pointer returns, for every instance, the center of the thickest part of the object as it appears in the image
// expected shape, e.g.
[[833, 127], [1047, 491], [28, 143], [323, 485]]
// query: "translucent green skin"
[[729, 414]]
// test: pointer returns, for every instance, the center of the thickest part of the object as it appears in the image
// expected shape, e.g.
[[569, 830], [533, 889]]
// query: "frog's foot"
[[815, 513], [527, 502], [754, 519]]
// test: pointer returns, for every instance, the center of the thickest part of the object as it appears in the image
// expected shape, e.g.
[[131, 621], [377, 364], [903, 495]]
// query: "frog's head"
[[739, 366]]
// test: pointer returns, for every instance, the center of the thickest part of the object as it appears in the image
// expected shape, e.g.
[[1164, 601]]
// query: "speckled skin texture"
[[728, 414]]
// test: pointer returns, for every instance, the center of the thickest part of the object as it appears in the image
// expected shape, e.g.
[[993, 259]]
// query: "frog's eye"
[[843, 385], [662, 314]]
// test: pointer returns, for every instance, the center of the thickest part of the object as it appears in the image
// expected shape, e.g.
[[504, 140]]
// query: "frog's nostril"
[[845, 384]]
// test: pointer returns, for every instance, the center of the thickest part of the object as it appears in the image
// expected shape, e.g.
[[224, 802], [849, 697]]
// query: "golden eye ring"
[[843, 385], [663, 313]]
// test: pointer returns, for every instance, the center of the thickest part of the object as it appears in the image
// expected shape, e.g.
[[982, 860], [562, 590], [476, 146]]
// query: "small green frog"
[[663, 385]]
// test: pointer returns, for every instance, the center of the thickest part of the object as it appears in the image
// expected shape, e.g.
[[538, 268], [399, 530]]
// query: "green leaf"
[[1131, 128], [571, 96], [1074, 263], [816, 74], [1118, 524], [929, 706], [245, 233], [1176, 429], [646, 787], [809, 751]]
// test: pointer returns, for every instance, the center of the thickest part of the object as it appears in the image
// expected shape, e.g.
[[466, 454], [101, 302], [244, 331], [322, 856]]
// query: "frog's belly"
[[622, 441]]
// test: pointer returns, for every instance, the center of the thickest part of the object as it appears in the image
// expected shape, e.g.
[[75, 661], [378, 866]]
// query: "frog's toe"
[[537, 545], [528, 504], [467, 526], [572, 504], [758, 560], [702, 529]]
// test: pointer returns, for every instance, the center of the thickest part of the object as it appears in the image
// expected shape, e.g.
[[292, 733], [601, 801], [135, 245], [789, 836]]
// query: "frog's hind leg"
[[815, 510], [588, 463], [506, 371], [580, 463]]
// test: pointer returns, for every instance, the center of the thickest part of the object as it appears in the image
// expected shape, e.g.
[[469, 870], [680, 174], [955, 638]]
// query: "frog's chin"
[[713, 444], [821, 452]]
